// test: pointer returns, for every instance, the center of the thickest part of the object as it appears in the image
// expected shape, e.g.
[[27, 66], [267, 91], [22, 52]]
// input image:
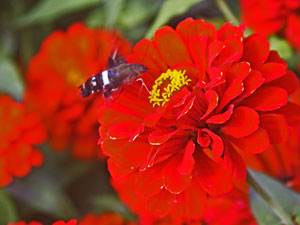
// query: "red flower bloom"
[[272, 16], [24, 223], [215, 94], [230, 209], [66, 60], [60, 222], [19, 132], [104, 219]]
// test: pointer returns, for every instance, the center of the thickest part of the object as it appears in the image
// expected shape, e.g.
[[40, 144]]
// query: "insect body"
[[112, 79]]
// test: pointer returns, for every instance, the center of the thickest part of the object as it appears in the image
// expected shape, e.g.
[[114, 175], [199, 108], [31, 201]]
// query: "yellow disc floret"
[[176, 79]]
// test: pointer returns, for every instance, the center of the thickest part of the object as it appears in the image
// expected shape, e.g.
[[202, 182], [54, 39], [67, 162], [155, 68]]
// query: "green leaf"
[[113, 9], [281, 46], [286, 199], [170, 9], [43, 195], [49, 10], [109, 202], [7, 208], [136, 12], [262, 211], [96, 18], [10, 81]]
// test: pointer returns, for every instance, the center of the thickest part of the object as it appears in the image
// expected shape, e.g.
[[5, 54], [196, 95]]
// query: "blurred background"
[[64, 187]]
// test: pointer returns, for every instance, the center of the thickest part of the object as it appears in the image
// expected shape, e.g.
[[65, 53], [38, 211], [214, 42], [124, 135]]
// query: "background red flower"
[[214, 94], [20, 132], [66, 60], [268, 17], [104, 219]]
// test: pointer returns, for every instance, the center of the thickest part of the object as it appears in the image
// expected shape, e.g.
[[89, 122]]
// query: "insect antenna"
[[141, 79]]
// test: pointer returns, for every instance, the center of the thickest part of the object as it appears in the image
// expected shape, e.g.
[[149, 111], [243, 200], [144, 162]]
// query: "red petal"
[[289, 82], [256, 50], [117, 171], [212, 98], [221, 118], [267, 99], [232, 52], [187, 107], [251, 83], [161, 204], [256, 142], [227, 30], [276, 126], [204, 30], [238, 71], [171, 46], [138, 131], [132, 155], [109, 147], [216, 144], [203, 139], [149, 182], [214, 50], [123, 129], [192, 201], [172, 179], [272, 71], [212, 176], [235, 88], [190, 69], [188, 162], [152, 119], [198, 48], [235, 164], [243, 122], [160, 136], [183, 28], [146, 49], [291, 113]]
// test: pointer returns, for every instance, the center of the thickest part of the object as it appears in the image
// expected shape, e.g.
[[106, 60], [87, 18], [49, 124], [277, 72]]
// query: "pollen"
[[165, 86]]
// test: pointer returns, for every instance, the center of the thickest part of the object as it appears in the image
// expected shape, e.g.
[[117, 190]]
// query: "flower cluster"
[[232, 98], [20, 132], [104, 219], [60, 222], [66, 60], [273, 16]]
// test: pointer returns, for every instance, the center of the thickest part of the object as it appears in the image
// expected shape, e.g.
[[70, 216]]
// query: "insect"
[[108, 81]]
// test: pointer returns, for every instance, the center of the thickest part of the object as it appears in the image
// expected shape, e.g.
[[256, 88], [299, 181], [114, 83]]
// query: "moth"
[[115, 77]]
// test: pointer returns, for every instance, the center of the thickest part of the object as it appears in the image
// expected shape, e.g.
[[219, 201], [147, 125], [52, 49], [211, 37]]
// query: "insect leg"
[[143, 84]]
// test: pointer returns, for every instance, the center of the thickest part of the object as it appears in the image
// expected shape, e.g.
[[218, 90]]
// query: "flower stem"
[[268, 199], [227, 12]]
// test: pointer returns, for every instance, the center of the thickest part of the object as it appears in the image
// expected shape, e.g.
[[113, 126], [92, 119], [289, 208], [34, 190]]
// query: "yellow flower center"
[[162, 92]]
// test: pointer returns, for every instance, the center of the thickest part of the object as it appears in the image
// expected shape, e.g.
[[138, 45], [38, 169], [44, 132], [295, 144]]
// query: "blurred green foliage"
[[7, 208]]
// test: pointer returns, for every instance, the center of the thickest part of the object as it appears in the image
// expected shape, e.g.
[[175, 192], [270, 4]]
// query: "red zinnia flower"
[[214, 94], [66, 60], [19, 132], [104, 219], [272, 16]]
